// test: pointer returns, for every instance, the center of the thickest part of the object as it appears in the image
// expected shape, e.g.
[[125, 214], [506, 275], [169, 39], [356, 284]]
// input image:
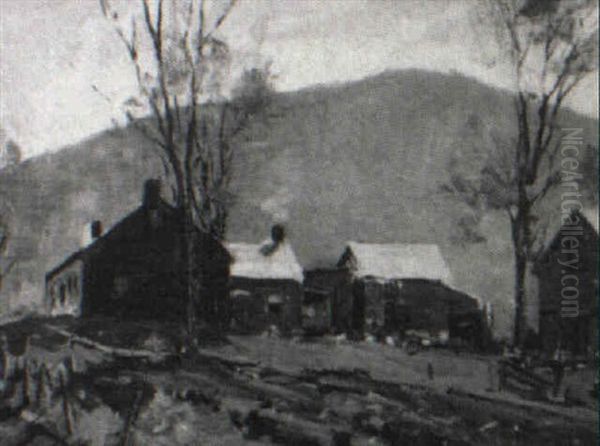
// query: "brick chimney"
[[277, 237], [277, 234], [91, 231], [96, 229], [151, 198]]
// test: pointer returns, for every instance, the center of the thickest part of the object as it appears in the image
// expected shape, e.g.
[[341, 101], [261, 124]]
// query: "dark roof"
[[110, 234], [82, 252], [587, 218]]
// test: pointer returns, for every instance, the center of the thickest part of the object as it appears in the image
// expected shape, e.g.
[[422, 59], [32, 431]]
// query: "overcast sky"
[[53, 51]]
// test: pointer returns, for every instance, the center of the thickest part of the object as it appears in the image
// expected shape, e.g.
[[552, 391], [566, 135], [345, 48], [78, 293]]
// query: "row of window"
[[64, 290]]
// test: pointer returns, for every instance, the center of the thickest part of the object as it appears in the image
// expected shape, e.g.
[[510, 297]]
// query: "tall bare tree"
[[551, 46], [180, 64], [6, 264]]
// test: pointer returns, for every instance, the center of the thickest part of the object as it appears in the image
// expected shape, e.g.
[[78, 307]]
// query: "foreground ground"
[[66, 382]]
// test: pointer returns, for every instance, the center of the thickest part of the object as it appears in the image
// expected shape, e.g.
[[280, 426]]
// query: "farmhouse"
[[400, 287], [567, 287], [265, 285], [137, 269]]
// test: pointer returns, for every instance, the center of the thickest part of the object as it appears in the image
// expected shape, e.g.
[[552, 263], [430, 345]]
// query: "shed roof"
[[591, 215], [555, 226], [252, 261], [399, 261]]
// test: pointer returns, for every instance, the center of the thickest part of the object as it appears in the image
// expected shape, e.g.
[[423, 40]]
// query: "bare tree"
[[6, 264], [552, 46], [180, 65]]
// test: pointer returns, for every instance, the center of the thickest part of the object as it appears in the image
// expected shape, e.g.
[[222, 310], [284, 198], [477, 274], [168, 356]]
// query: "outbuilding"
[[401, 287], [567, 287], [265, 288]]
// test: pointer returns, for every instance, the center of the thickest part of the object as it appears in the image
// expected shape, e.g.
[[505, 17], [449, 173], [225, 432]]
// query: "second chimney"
[[91, 231], [151, 193]]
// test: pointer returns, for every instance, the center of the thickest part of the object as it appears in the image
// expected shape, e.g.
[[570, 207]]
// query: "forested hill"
[[359, 161]]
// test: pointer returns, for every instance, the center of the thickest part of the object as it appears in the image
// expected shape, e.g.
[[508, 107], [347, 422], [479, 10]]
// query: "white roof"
[[591, 215], [399, 261], [250, 262], [555, 224]]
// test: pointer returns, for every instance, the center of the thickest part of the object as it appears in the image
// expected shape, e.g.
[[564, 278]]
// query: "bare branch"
[[201, 25], [152, 31], [221, 19], [194, 139], [8, 268], [139, 125], [551, 181]]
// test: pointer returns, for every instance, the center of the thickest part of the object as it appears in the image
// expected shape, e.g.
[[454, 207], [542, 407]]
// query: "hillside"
[[361, 161]]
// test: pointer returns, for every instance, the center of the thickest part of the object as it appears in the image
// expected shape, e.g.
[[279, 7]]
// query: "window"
[[72, 285], [63, 293], [75, 285], [52, 296], [240, 294], [275, 299]]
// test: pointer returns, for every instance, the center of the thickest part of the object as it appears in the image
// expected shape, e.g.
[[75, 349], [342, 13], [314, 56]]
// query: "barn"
[[137, 269], [402, 287], [265, 288], [567, 287]]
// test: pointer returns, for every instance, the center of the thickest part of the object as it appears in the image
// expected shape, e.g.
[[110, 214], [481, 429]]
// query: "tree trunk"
[[520, 274], [190, 242], [521, 234]]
